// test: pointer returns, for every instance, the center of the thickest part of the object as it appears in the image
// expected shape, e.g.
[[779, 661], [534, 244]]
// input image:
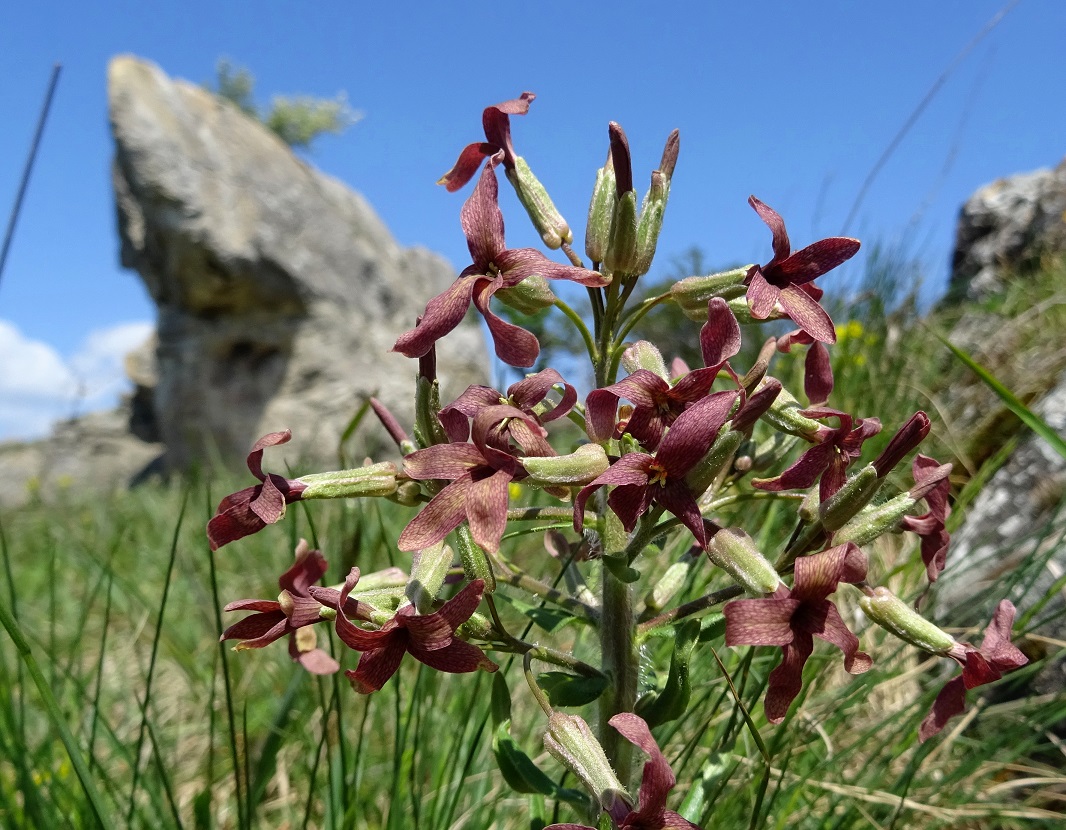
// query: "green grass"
[[118, 707]]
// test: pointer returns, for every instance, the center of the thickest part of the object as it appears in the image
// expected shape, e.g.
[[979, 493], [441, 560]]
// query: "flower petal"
[[760, 622], [375, 668], [786, 680], [818, 258], [776, 225], [720, 335], [807, 314], [444, 513], [486, 509], [482, 221], [950, 702], [458, 657], [443, 313]]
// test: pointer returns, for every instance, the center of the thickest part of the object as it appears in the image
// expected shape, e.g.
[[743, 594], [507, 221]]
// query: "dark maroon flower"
[[786, 279], [931, 479], [429, 639], [656, 782], [497, 124], [523, 395], [833, 452], [640, 479], [253, 508], [792, 618], [987, 664], [480, 473], [657, 402], [494, 267], [290, 614]]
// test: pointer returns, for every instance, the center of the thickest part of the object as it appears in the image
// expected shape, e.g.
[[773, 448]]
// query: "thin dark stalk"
[[228, 685], [28, 167], [152, 658], [927, 99]]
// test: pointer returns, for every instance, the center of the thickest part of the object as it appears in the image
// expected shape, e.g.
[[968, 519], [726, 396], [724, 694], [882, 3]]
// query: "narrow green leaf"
[[565, 689], [1024, 413]]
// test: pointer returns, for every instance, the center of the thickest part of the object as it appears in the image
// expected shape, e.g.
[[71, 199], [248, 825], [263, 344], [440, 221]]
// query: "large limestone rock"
[[279, 291], [1006, 227]]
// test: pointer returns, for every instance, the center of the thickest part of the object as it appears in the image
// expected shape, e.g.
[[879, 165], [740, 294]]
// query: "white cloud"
[[38, 386]]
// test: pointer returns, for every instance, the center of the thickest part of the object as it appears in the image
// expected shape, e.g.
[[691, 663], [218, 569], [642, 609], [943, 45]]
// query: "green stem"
[[689, 609], [619, 661], [519, 579], [634, 316], [579, 324]]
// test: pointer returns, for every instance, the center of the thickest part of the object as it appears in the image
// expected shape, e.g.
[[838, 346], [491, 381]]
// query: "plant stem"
[[689, 609], [619, 662], [579, 324]]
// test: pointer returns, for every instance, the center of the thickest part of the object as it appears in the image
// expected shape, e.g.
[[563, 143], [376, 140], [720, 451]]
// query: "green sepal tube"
[[428, 569], [667, 586], [784, 416], [693, 293], [621, 254], [581, 466], [372, 480], [530, 295], [875, 521], [601, 212], [570, 740], [428, 429], [476, 564], [660, 707], [651, 222], [551, 226], [846, 502], [709, 467], [645, 355], [897, 617], [734, 551]]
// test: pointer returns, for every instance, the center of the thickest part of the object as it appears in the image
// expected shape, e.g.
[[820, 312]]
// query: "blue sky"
[[793, 102]]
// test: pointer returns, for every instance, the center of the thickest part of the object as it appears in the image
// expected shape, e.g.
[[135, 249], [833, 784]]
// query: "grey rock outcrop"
[[279, 291], [1007, 227]]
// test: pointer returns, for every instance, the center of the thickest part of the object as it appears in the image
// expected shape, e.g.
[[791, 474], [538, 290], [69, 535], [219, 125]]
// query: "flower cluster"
[[652, 457]]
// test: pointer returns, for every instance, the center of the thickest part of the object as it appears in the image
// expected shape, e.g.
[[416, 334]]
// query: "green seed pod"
[[551, 226], [896, 617], [530, 295], [651, 222]]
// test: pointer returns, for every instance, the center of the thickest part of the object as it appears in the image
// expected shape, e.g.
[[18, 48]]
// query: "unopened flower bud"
[[875, 521], [392, 426], [897, 617], [909, 436], [582, 466], [852, 497], [530, 295], [651, 222], [621, 254], [372, 480], [550, 224], [693, 293], [571, 741], [408, 493], [734, 551], [645, 355], [601, 212]]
